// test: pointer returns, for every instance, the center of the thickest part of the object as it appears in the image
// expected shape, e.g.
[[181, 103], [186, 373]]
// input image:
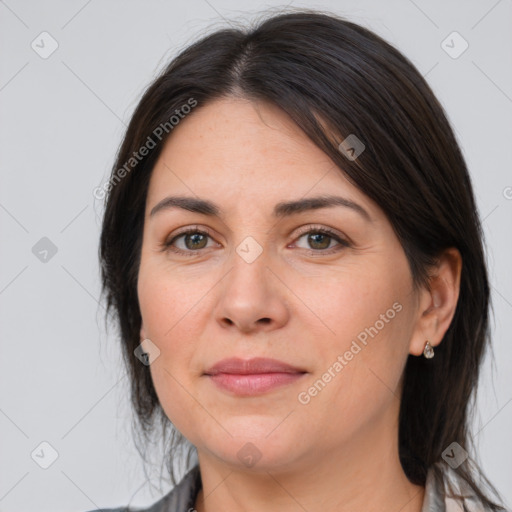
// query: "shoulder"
[[180, 498]]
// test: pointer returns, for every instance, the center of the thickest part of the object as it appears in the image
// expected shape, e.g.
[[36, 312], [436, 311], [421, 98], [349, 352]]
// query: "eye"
[[192, 240], [188, 242], [320, 240]]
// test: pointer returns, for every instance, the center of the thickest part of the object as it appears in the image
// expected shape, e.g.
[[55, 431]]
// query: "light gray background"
[[62, 119]]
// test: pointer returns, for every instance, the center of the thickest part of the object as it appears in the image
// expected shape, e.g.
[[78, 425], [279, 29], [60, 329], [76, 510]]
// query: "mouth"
[[253, 376]]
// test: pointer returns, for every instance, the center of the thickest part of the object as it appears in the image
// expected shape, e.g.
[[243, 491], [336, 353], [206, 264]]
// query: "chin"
[[256, 443]]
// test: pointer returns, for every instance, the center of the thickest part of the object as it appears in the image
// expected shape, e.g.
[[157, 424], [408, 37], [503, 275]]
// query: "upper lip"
[[256, 365]]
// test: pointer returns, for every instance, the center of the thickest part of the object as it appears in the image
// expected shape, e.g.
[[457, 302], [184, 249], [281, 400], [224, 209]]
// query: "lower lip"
[[253, 384]]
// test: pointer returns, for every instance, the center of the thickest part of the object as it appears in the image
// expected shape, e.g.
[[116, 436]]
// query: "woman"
[[292, 251]]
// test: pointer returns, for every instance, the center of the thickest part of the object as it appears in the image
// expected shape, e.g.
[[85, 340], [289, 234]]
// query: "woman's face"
[[336, 311]]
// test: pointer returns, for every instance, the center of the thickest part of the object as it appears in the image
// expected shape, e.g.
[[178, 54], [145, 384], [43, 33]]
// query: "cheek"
[[368, 312], [168, 300], [363, 303], [168, 319], [169, 307]]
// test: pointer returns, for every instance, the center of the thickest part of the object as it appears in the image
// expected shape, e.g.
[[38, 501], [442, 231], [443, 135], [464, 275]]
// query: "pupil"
[[195, 238]]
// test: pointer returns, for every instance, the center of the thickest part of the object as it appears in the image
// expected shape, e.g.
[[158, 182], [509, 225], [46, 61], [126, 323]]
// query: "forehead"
[[243, 152]]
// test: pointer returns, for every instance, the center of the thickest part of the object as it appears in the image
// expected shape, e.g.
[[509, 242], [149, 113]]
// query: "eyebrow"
[[283, 209]]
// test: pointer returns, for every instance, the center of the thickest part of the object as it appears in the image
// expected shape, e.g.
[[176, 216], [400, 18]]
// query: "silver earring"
[[428, 351]]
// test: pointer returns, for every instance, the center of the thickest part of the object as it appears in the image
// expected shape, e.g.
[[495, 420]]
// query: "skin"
[[294, 303]]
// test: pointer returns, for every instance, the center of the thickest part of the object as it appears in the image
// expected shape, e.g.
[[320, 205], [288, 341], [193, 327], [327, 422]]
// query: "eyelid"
[[191, 229], [318, 227]]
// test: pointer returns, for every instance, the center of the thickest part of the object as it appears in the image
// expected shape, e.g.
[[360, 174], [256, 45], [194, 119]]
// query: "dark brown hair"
[[333, 78]]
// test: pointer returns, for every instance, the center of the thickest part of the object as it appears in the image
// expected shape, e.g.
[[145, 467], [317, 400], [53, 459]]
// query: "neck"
[[365, 474]]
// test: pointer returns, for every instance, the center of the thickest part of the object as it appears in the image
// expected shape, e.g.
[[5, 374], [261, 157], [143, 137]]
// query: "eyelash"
[[167, 246]]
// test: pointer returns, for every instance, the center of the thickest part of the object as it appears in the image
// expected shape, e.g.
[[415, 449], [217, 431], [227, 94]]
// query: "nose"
[[252, 298]]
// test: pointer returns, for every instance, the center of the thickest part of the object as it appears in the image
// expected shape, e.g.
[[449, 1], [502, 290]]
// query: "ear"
[[436, 305], [142, 332]]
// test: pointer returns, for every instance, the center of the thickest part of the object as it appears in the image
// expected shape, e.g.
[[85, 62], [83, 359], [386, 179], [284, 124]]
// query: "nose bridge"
[[251, 242], [249, 275]]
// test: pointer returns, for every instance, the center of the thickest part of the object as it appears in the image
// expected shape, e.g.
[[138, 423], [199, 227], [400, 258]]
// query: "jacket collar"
[[183, 496]]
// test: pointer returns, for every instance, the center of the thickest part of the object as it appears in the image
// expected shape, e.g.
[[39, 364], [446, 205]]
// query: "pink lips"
[[252, 376]]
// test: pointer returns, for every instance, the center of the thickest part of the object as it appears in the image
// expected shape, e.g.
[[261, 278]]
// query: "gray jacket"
[[182, 497]]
